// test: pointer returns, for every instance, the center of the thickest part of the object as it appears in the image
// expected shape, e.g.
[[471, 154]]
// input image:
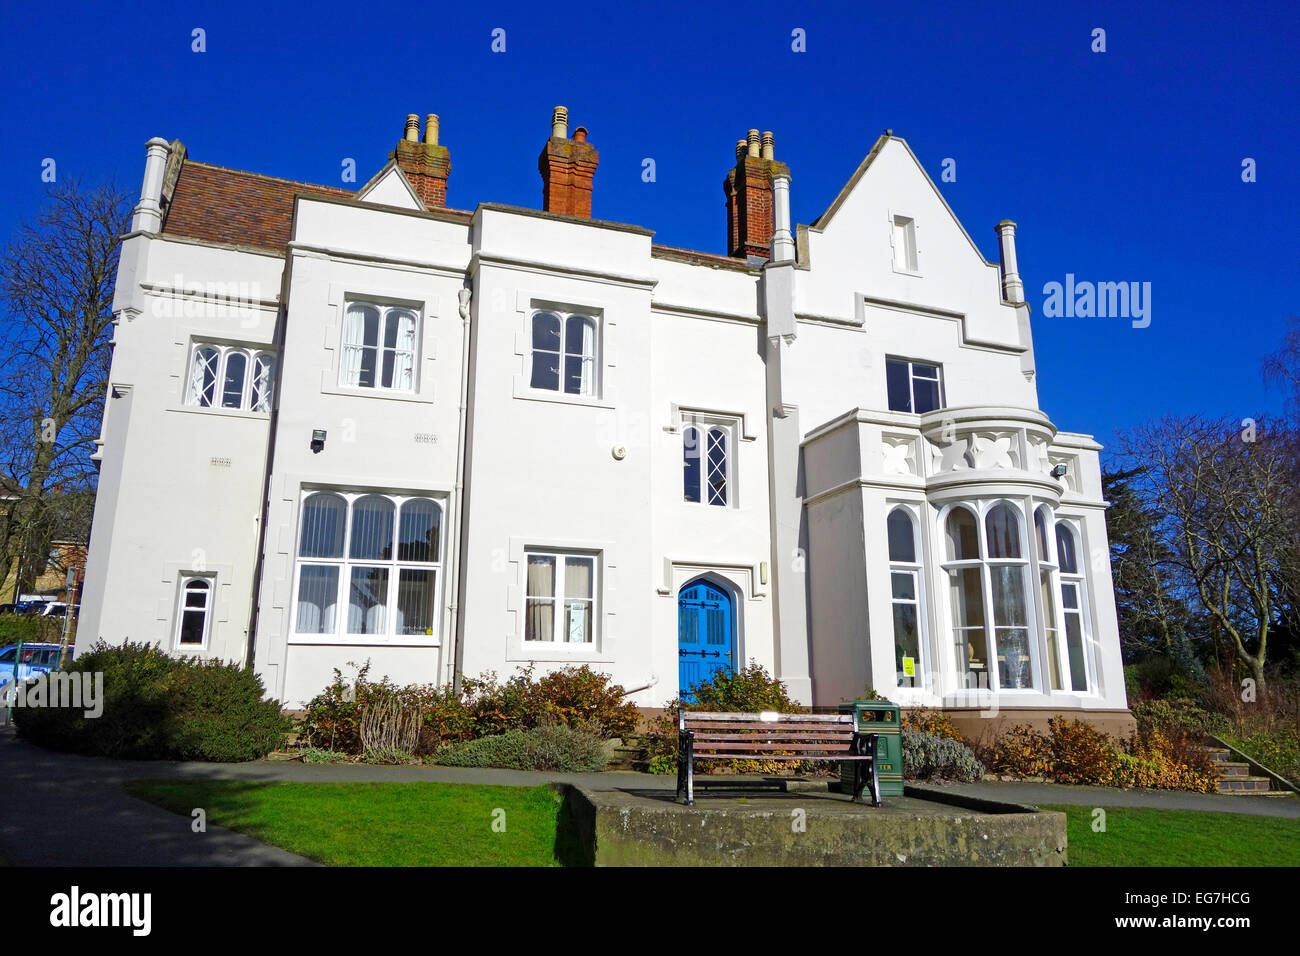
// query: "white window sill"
[[908, 272], [562, 398], [391, 394], [364, 640], [222, 412], [552, 653]]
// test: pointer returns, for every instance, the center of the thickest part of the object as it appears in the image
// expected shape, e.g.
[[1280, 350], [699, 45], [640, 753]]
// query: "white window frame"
[[915, 568], [209, 606], [902, 239], [591, 361], [339, 634], [980, 508], [559, 600], [702, 426], [1079, 581], [911, 382], [249, 398], [387, 311]]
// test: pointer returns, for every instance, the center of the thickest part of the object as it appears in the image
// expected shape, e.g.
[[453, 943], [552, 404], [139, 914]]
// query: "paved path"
[[62, 810], [97, 824], [1049, 793]]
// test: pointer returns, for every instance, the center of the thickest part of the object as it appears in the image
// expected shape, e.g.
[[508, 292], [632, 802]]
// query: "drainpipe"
[[453, 629]]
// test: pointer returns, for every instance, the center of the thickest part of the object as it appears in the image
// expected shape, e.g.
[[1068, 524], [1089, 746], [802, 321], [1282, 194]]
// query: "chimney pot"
[[431, 130], [412, 128], [580, 134], [560, 122], [752, 143], [568, 168], [741, 147], [769, 145]]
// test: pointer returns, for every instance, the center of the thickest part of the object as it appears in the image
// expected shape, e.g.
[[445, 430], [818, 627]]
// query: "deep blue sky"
[[1122, 166]]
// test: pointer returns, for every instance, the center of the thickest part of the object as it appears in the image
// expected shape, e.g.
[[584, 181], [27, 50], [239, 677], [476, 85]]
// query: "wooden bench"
[[833, 738]]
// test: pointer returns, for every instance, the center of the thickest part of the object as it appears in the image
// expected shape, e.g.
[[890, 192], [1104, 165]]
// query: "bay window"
[[987, 571], [368, 566]]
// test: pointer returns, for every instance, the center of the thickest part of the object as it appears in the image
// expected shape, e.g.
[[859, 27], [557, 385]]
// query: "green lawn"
[[1137, 836], [381, 824]]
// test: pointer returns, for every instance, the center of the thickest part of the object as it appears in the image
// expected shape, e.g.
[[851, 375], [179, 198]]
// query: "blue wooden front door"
[[703, 635]]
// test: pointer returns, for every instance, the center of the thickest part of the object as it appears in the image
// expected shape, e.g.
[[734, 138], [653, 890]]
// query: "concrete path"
[[1055, 793], [65, 810], [62, 810]]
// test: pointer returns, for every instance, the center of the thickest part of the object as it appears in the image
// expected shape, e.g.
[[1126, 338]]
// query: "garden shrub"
[[1021, 752], [749, 690], [1080, 753], [932, 757], [555, 747], [927, 721], [1278, 750], [1186, 716], [160, 707], [30, 629], [420, 718]]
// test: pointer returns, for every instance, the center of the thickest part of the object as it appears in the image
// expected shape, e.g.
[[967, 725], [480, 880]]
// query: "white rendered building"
[[364, 426]]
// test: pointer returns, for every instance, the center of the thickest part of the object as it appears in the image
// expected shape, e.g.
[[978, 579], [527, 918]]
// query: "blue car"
[[35, 659]]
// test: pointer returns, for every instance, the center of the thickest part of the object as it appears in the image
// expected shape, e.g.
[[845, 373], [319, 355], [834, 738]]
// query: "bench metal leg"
[[864, 771], [686, 768]]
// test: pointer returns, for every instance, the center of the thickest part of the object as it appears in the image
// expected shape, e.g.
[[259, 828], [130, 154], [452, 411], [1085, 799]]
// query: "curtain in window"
[[318, 588], [368, 601], [578, 574], [539, 624], [579, 355], [322, 527], [372, 529], [404, 357], [415, 590], [354, 341], [417, 534]]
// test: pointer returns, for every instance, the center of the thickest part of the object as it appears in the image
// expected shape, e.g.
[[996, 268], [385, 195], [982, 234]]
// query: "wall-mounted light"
[[317, 440], [1059, 471]]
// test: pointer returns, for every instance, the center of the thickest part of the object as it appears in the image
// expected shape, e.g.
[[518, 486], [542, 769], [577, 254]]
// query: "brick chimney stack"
[[568, 167], [427, 165], [748, 188]]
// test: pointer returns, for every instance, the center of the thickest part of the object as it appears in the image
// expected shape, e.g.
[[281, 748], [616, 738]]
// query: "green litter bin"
[[879, 717]]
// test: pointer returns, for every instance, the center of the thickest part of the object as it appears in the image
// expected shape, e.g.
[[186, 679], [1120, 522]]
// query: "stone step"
[[1219, 754], [1250, 785], [1226, 769]]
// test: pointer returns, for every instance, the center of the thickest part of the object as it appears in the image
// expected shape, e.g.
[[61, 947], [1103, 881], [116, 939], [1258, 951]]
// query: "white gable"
[[390, 188]]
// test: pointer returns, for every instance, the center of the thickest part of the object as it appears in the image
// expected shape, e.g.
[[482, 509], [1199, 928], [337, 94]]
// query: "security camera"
[[1058, 471]]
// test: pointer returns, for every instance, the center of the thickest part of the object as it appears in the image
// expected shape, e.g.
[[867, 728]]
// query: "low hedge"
[[556, 747], [931, 757], [158, 707]]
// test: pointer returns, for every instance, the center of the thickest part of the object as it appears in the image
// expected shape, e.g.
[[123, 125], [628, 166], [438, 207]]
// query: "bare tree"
[[1218, 493], [56, 293]]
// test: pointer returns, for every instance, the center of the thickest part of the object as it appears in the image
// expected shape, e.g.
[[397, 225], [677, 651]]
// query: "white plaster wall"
[[184, 484], [376, 440]]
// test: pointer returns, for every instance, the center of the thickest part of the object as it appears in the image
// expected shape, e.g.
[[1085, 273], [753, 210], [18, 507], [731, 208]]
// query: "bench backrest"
[[745, 734]]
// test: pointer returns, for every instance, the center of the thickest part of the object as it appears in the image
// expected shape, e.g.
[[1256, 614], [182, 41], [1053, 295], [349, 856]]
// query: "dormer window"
[[904, 244]]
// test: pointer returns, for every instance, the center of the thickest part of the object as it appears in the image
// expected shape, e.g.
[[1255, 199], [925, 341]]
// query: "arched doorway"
[[704, 634]]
